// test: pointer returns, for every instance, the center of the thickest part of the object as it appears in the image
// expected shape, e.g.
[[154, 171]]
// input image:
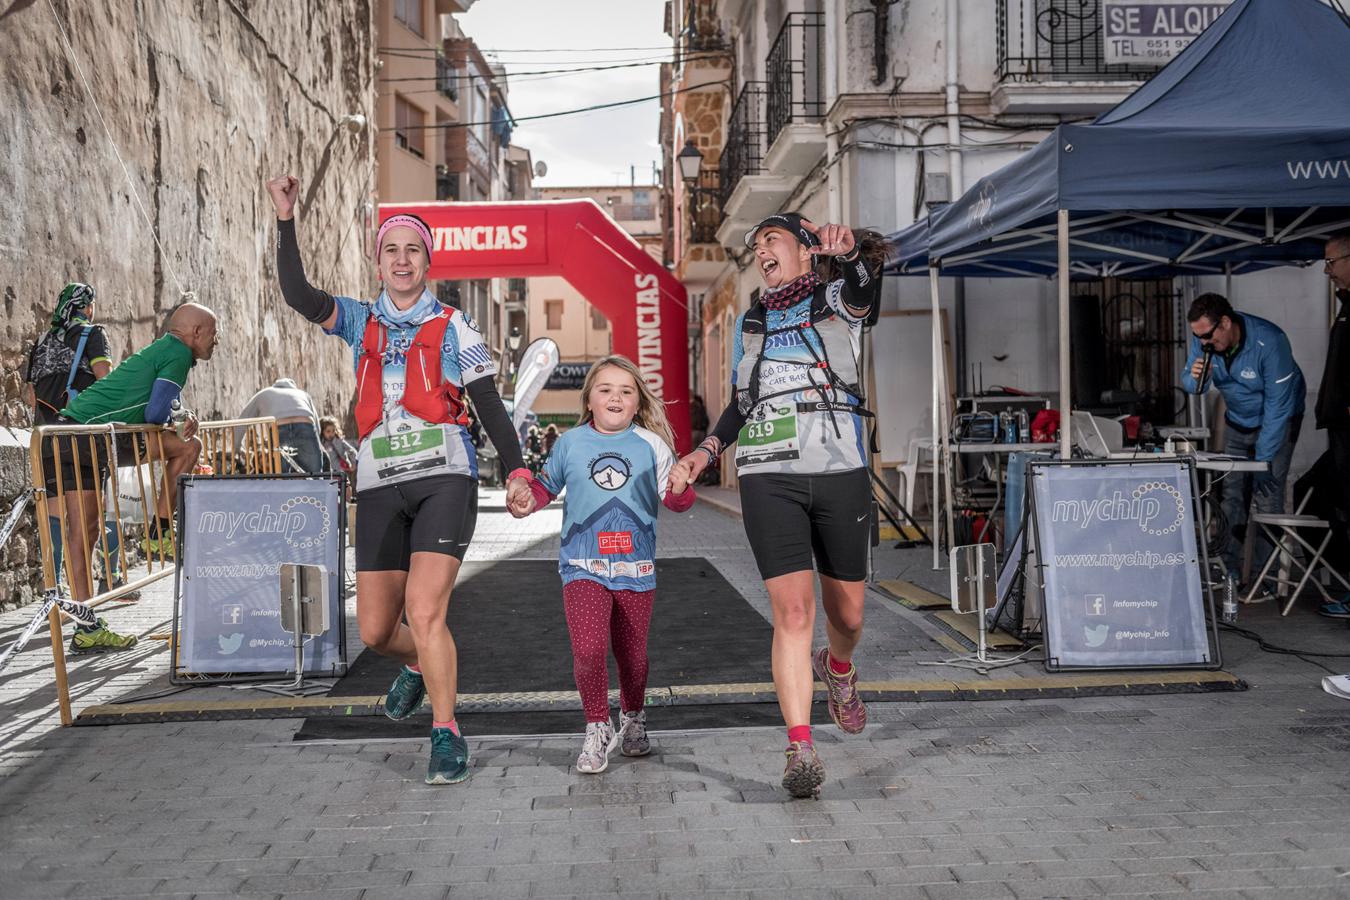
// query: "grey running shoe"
[[601, 739], [846, 707], [633, 730], [803, 775]]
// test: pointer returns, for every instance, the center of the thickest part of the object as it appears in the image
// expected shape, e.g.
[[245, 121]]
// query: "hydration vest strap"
[[71, 393]]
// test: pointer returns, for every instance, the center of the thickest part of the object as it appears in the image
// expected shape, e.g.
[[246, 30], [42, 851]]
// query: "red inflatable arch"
[[574, 239]]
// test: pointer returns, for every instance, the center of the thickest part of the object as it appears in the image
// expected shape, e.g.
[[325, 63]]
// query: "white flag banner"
[[536, 365]]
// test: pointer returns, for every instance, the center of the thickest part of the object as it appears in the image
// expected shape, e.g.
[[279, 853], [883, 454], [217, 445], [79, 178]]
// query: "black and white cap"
[[789, 222]]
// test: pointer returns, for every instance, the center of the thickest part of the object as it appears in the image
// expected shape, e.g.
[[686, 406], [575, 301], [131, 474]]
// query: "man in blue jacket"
[[1251, 364]]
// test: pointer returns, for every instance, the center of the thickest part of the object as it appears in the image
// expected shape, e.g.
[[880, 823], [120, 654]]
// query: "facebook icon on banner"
[[1096, 604], [232, 614]]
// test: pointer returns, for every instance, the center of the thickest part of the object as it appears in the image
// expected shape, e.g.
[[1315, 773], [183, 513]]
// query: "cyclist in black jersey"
[[416, 473], [797, 417]]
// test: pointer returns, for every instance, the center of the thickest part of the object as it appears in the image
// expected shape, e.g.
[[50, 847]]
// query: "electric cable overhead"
[[513, 76], [566, 112]]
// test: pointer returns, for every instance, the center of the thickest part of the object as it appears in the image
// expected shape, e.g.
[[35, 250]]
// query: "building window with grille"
[[409, 12], [598, 320], [553, 313], [408, 131]]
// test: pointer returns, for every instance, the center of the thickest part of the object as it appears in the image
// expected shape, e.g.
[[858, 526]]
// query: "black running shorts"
[[788, 518], [427, 515]]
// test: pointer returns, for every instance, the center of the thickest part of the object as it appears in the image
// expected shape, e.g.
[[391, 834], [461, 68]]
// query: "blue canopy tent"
[[1234, 157]]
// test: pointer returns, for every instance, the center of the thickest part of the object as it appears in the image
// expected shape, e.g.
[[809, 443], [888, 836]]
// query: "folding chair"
[[1282, 530]]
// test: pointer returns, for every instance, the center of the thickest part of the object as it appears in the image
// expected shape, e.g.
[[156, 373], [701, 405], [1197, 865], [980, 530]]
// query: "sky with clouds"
[[593, 148]]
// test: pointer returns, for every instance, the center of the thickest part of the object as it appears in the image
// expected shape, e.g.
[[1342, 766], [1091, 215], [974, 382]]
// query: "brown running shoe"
[[846, 707], [804, 773]]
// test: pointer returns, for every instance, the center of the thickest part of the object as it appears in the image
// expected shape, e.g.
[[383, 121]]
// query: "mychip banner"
[[236, 533], [1120, 564]]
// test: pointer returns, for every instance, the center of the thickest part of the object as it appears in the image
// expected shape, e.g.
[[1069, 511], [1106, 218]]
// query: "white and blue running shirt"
[[615, 484]]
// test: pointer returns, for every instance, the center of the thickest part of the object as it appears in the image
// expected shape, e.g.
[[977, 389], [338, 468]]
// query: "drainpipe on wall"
[[955, 176], [836, 76]]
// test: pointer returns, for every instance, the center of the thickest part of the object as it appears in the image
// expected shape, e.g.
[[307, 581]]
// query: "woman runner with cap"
[[416, 471], [796, 416]]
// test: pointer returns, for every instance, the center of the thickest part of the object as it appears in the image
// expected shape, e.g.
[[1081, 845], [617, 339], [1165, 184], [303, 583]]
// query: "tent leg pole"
[[938, 449], [1065, 374]]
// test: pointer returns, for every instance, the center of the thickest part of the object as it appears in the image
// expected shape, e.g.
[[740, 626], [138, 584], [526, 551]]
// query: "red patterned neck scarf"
[[790, 293]]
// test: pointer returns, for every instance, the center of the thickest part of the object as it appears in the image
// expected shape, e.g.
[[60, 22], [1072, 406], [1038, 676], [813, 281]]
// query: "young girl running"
[[618, 465]]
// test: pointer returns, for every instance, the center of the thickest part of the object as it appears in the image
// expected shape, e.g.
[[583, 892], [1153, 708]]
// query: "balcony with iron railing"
[[447, 78], [1051, 58], [746, 190], [702, 31], [746, 140], [704, 206], [795, 72]]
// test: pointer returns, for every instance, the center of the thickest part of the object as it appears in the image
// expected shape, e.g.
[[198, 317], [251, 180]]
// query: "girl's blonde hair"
[[651, 412]]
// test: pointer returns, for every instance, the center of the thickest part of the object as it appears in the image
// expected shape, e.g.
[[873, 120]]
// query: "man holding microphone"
[[1249, 360]]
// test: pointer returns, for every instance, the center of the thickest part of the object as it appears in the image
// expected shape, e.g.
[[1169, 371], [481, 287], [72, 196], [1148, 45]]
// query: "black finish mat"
[[562, 721], [511, 634]]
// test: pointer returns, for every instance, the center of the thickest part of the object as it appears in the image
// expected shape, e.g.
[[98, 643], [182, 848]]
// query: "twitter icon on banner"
[[230, 643], [1095, 635]]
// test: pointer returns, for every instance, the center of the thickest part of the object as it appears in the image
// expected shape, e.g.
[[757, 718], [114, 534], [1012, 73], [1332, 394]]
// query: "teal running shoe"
[[449, 758], [405, 694]]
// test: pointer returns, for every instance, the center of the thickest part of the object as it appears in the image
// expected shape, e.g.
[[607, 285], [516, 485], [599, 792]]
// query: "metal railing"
[[1056, 40], [78, 475], [705, 208], [702, 31], [795, 71], [744, 151], [447, 78]]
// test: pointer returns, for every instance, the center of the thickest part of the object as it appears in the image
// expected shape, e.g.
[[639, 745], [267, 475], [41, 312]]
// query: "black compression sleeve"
[[730, 423], [862, 287], [300, 295], [487, 403]]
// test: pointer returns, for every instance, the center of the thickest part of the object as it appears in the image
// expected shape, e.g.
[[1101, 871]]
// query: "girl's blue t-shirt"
[[615, 484]]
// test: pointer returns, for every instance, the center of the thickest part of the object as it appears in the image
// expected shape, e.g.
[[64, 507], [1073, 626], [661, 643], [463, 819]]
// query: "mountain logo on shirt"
[[610, 471], [1248, 373]]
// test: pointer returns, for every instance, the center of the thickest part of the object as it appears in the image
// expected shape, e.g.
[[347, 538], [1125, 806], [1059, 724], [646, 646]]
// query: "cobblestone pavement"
[[1230, 794]]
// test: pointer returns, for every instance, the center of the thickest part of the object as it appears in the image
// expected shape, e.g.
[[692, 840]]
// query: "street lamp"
[[513, 342], [690, 161]]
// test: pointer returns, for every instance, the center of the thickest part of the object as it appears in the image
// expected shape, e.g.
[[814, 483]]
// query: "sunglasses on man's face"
[[1209, 334]]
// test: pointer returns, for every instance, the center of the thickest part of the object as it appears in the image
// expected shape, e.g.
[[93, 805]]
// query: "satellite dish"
[[540, 169]]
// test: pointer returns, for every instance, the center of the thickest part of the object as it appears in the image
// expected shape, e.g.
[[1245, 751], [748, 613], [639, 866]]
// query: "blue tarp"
[[1245, 134]]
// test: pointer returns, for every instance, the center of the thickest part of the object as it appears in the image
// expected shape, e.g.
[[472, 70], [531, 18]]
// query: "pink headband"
[[415, 224]]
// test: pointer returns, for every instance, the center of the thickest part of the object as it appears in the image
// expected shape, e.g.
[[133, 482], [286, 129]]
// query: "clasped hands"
[[520, 501]]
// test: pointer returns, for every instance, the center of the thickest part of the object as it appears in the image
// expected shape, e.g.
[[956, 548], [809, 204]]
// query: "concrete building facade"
[[868, 114]]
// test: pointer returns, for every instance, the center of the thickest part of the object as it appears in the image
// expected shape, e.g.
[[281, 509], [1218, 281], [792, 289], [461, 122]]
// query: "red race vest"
[[425, 394]]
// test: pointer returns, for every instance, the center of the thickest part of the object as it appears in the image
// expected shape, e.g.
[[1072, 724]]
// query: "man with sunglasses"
[[1252, 365], [1328, 474]]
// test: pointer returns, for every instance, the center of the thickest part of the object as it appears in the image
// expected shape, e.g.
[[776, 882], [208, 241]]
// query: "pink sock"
[[799, 733], [415, 668], [452, 725], [837, 667]]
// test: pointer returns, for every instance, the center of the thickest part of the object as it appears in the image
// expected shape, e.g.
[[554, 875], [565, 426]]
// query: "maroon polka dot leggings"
[[597, 616]]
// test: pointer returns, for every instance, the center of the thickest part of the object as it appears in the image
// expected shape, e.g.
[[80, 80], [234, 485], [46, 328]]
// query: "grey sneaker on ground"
[[601, 739], [633, 730], [803, 774]]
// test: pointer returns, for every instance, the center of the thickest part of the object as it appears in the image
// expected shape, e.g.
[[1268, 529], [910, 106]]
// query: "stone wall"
[[204, 99]]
